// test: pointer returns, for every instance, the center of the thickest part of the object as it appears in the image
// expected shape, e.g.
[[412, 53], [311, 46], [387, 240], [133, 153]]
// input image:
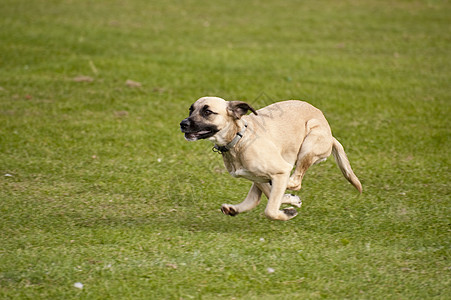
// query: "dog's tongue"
[[192, 136], [203, 132]]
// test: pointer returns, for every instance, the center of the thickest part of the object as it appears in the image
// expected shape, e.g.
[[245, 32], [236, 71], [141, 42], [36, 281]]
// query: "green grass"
[[105, 190]]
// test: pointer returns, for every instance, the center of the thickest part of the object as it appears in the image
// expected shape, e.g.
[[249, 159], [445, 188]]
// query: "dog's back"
[[287, 123]]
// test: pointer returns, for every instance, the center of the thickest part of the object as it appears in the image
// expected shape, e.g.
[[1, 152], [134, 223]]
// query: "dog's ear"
[[237, 109]]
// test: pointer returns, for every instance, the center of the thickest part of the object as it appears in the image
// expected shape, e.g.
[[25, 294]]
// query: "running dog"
[[265, 146]]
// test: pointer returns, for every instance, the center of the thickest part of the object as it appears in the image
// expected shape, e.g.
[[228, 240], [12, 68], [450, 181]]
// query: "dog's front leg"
[[252, 200], [272, 211], [286, 199]]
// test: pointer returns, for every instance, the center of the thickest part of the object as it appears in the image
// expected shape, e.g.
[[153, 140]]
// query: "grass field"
[[99, 187]]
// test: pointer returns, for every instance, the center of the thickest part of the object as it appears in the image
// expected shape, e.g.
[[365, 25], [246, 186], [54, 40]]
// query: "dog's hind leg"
[[292, 200], [252, 200], [316, 147]]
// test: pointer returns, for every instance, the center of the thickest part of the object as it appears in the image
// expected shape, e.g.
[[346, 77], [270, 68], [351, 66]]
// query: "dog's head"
[[211, 117]]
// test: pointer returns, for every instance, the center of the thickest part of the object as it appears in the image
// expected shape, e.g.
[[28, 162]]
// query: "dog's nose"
[[184, 124]]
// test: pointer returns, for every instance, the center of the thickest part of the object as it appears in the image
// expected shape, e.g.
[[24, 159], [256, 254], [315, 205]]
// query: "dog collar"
[[236, 139]]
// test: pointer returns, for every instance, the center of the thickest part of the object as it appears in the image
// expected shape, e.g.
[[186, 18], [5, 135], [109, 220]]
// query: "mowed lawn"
[[101, 197]]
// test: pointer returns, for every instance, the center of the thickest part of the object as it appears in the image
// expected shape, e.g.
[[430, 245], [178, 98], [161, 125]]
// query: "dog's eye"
[[208, 112]]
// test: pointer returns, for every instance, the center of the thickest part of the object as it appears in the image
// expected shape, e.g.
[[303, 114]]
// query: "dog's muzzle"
[[194, 131]]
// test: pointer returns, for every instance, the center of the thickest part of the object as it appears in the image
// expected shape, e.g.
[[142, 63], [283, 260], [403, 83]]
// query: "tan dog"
[[265, 146]]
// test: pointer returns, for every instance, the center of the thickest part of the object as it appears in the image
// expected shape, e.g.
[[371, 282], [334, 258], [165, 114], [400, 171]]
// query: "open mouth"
[[203, 134]]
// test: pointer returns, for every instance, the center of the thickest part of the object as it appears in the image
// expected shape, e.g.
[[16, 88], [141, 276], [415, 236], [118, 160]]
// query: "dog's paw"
[[229, 210], [291, 212], [294, 184], [292, 199]]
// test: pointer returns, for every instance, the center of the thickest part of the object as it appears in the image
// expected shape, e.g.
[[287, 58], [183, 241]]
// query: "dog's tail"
[[344, 165]]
